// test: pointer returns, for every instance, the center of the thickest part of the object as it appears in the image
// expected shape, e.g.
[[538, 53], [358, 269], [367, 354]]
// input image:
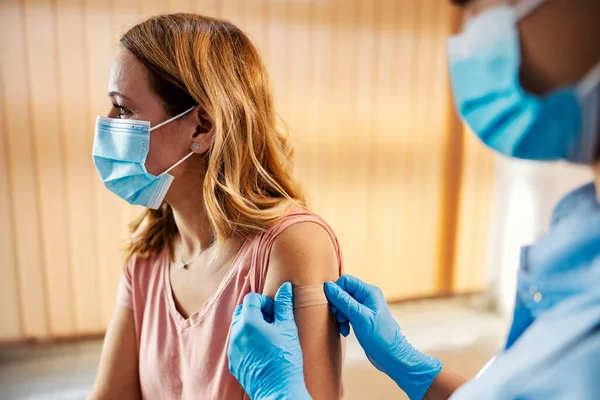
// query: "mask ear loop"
[[179, 162], [525, 7], [171, 119], [166, 122]]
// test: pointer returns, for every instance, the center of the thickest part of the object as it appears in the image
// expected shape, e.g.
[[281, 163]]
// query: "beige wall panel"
[[207, 7], [40, 47], [9, 296], [385, 169], [179, 6], [316, 107], [298, 61], [233, 11], [254, 21], [77, 130], [125, 15], [22, 167], [475, 203], [152, 7], [337, 141]]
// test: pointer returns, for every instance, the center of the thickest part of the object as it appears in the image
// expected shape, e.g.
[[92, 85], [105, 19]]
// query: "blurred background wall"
[[363, 86]]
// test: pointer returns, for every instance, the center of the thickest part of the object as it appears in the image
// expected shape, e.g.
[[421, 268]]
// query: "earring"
[[195, 146]]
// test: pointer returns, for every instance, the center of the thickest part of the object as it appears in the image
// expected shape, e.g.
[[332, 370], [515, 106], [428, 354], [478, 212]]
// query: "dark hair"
[[461, 2], [175, 100]]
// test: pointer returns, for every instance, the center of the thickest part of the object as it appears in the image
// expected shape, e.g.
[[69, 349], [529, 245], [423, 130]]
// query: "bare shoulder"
[[301, 240], [303, 254]]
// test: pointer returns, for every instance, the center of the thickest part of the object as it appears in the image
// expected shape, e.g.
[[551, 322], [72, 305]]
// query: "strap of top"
[[260, 259]]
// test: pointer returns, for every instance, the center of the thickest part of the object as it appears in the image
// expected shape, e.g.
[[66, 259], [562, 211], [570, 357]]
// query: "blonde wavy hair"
[[249, 177]]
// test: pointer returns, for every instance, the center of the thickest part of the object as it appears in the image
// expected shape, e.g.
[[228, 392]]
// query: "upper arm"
[[304, 254], [117, 376]]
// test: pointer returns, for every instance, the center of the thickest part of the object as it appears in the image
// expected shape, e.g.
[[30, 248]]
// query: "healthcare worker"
[[526, 79]]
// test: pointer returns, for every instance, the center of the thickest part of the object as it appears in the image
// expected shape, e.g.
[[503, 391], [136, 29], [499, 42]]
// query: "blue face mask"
[[120, 150], [484, 62]]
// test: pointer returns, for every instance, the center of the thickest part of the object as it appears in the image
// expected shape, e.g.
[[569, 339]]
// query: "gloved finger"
[[333, 309], [254, 300], [236, 319], [284, 303], [267, 308], [356, 288], [344, 328], [237, 315], [341, 300], [237, 310], [256, 305], [268, 318], [340, 317]]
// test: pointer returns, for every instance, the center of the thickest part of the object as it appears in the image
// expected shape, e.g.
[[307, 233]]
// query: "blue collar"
[[563, 264]]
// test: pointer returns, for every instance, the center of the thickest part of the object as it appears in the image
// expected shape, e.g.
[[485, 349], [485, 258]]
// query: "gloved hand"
[[264, 349], [363, 306]]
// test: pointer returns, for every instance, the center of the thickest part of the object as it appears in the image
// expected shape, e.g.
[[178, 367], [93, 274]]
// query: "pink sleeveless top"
[[187, 358]]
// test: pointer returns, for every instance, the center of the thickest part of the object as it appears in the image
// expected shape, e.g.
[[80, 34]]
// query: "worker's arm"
[[444, 384], [363, 306]]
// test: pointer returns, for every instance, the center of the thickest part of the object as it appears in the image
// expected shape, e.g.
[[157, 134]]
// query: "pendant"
[[181, 265]]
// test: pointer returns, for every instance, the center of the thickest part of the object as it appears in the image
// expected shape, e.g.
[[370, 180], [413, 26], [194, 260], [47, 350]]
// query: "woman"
[[226, 216]]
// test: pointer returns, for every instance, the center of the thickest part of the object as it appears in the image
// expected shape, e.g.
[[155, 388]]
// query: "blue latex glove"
[[363, 306], [264, 349]]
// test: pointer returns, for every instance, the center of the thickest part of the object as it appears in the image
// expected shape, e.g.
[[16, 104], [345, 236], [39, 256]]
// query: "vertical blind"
[[362, 84]]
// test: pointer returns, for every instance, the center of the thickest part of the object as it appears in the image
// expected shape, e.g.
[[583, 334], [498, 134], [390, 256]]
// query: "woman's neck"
[[187, 202], [194, 228], [186, 198]]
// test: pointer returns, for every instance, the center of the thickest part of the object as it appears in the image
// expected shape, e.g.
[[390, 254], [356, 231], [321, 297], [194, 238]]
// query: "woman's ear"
[[204, 135]]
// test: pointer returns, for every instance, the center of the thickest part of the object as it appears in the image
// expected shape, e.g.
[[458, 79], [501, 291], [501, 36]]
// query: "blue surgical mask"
[[484, 62], [120, 150]]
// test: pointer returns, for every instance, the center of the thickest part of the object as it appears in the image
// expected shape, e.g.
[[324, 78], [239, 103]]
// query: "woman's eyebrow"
[[115, 93]]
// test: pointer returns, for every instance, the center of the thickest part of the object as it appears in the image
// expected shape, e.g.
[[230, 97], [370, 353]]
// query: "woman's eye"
[[122, 112]]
